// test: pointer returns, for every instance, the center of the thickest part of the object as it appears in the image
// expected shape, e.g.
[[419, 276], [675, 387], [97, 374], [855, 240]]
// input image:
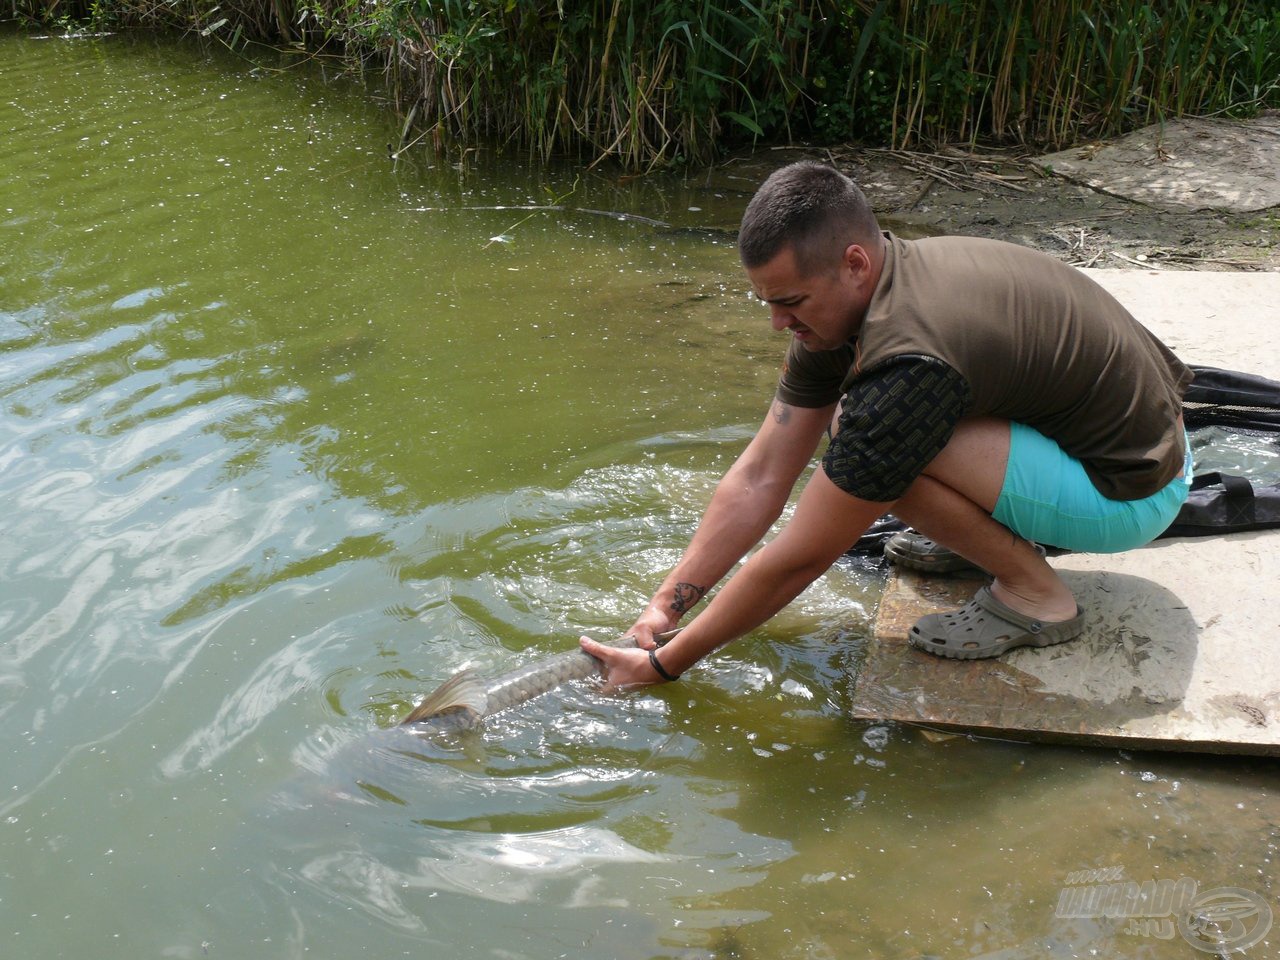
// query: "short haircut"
[[811, 207]]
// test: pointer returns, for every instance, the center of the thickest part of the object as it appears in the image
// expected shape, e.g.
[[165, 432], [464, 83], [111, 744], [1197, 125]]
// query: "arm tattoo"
[[686, 596], [781, 412]]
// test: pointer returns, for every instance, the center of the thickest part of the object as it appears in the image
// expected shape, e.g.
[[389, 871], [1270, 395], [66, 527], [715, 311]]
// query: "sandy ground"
[[1009, 197]]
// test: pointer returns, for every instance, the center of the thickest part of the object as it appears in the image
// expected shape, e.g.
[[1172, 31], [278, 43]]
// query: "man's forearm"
[[827, 521], [771, 579], [745, 504], [740, 513]]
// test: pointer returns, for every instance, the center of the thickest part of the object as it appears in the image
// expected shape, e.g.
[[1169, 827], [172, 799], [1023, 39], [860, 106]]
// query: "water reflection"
[[526, 820]]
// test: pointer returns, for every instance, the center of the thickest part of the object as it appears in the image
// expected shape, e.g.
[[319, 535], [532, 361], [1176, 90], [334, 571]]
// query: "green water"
[[290, 432]]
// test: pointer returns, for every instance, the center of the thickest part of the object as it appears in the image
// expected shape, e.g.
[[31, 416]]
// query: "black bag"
[[1220, 503], [1243, 401]]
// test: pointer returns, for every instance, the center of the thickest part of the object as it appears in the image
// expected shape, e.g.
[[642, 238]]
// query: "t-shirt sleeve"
[[813, 378], [894, 420]]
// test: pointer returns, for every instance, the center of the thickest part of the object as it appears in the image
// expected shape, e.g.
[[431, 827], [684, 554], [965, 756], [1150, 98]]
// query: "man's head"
[[812, 208], [813, 252]]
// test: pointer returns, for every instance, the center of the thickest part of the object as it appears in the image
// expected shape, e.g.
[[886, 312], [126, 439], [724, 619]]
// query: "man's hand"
[[652, 621], [624, 669]]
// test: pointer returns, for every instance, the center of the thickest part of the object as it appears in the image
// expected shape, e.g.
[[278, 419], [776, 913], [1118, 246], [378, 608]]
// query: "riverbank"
[[1008, 196], [1004, 194], [650, 87]]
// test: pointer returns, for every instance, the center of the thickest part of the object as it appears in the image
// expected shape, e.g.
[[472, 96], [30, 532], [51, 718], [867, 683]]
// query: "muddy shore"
[[1009, 197]]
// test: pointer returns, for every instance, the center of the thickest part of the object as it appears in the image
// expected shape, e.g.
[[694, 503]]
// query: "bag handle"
[[1237, 488]]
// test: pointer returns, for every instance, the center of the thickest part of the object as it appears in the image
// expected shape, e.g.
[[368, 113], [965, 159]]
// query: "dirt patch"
[[1009, 196]]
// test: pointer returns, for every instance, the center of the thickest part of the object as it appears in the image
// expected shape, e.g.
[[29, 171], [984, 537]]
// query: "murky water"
[[289, 433]]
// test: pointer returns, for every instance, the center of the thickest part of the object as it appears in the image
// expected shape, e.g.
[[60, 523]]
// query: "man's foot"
[[985, 627]]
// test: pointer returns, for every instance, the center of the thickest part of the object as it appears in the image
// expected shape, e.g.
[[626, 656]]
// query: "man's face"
[[824, 309]]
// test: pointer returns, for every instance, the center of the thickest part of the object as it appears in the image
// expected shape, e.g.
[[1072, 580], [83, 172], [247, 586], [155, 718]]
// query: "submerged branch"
[[548, 207]]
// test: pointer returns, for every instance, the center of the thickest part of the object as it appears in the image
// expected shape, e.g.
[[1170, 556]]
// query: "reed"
[[642, 84], [1050, 73]]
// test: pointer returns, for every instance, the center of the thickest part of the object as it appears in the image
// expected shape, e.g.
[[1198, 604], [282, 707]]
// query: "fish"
[[464, 700]]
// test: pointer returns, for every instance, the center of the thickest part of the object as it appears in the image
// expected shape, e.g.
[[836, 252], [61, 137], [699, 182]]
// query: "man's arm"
[[748, 499], [826, 522]]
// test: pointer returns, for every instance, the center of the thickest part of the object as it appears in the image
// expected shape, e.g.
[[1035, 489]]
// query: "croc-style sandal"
[[985, 627], [915, 551]]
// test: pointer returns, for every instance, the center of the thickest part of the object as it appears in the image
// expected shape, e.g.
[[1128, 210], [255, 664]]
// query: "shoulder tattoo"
[[781, 412]]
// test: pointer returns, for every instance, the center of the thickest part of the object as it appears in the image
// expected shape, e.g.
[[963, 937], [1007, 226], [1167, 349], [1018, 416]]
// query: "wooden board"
[[1180, 653]]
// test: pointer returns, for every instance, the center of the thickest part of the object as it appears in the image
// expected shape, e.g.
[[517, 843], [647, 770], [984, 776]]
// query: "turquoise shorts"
[[1047, 497]]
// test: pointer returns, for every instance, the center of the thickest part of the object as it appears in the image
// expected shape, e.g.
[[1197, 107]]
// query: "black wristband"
[[661, 670]]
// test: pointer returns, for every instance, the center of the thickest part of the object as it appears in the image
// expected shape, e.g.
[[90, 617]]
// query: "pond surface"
[[290, 432]]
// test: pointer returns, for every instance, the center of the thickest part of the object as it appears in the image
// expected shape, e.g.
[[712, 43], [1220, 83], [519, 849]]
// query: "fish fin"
[[462, 691]]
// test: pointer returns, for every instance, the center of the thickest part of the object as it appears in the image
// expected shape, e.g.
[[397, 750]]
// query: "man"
[[986, 394]]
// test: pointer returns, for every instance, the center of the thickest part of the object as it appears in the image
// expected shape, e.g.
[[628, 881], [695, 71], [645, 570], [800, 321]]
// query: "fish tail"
[[461, 692]]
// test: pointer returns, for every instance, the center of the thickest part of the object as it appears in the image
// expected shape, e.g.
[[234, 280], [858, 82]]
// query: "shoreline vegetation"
[[675, 82]]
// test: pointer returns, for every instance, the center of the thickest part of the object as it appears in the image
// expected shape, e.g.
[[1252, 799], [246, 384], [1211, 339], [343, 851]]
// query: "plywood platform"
[[1182, 646], [1174, 656]]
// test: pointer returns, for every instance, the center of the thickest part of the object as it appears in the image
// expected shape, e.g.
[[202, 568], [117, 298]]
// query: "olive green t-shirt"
[[1030, 338]]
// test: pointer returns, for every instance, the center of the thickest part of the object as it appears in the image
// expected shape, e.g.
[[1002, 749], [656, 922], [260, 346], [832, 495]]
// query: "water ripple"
[[280, 676]]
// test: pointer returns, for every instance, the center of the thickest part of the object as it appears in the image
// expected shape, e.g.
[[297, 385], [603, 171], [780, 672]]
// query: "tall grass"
[[648, 83], [641, 82], [1051, 73]]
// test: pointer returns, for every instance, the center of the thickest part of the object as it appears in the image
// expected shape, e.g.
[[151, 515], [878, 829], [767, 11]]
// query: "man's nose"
[[779, 317]]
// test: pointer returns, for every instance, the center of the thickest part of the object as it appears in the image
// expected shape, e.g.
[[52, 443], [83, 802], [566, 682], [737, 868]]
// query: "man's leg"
[[952, 502]]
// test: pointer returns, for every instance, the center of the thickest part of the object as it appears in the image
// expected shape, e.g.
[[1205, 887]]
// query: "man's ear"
[[857, 260]]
